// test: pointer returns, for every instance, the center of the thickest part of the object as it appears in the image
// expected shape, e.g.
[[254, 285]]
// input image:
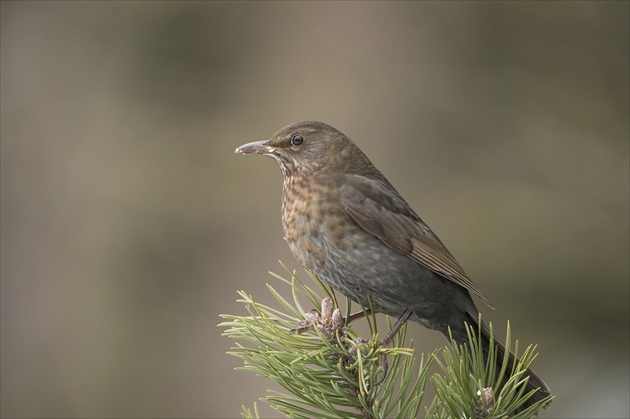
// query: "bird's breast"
[[314, 222]]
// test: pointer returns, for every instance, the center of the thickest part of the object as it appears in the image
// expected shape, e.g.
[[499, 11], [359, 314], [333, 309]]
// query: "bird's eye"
[[297, 139]]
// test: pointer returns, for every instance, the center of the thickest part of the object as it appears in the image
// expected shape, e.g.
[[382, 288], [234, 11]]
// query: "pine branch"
[[328, 371], [467, 388]]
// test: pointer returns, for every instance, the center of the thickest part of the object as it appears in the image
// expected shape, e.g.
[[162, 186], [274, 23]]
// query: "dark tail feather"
[[534, 382]]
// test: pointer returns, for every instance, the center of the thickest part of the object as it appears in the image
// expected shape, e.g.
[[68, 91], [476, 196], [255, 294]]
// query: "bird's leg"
[[399, 323], [358, 315], [388, 339]]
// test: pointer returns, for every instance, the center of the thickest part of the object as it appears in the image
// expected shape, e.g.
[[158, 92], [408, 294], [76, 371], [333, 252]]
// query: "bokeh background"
[[128, 224]]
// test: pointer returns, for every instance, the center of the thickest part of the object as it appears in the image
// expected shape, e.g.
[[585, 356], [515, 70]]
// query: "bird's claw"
[[329, 322], [384, 363], [307, 324]]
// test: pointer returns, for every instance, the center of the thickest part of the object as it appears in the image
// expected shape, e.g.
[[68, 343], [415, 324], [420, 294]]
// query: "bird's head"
[[308, 146]]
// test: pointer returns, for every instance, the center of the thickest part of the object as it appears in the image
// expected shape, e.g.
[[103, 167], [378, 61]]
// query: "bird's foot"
[[382, 359], [357, 342], [329, 322]]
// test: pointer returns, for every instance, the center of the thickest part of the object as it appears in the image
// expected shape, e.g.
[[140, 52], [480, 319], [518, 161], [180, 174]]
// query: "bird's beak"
[[257, 147]]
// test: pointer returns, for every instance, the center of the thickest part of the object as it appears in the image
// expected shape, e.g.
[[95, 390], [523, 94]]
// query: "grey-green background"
[[128, 224]]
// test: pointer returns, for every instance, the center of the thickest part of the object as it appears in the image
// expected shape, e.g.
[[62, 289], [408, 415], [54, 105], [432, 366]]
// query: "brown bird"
[[347, 224]]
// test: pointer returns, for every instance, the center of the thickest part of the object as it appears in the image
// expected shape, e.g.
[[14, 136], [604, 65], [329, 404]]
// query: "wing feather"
[[381, 211]]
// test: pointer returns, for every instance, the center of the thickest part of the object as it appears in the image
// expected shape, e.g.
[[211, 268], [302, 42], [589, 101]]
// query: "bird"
[[347, 224]]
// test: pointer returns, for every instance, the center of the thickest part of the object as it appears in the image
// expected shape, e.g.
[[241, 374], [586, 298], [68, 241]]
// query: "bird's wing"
[[381, 211]]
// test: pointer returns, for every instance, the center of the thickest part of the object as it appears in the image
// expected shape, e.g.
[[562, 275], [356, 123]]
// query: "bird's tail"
[[534, 382]]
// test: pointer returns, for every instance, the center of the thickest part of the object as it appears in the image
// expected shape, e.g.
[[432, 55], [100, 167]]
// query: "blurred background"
[[128, 223]]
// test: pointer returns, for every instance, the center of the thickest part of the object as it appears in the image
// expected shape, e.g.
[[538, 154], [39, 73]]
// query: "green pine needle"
[[328, 371]]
